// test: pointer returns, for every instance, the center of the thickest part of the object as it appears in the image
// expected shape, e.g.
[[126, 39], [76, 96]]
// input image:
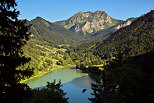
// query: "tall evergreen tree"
[[13, 36], [126, 81], [52, 93]]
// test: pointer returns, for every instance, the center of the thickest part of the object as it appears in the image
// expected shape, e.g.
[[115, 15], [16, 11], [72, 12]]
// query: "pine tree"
[[13, 36], [52, 93]]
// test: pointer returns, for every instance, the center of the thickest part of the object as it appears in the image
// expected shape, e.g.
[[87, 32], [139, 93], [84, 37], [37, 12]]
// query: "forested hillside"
[[48, 46], [138, 38], [126, 80], [45, 58], [43, 30], [132, 40]]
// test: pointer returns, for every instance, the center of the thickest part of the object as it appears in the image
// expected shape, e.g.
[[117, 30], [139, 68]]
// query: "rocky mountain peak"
[[37, 18], [98, 12], [88, 22]]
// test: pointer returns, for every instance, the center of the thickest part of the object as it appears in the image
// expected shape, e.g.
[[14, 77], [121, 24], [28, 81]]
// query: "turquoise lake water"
[[73, 82]]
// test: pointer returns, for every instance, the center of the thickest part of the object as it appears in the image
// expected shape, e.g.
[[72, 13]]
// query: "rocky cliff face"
[[124, 24], [111, 30], [89, 22]]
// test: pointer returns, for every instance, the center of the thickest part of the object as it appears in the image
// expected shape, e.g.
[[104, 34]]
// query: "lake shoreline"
[[71, 80], [44, 73]]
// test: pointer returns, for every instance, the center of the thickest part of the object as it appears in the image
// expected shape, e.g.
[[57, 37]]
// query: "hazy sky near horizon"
[[55, 10]]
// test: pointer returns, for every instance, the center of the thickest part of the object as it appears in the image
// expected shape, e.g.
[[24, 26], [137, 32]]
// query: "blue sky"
[[55, 10]]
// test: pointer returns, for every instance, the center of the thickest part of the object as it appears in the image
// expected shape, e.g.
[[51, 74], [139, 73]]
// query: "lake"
[[73, 82]]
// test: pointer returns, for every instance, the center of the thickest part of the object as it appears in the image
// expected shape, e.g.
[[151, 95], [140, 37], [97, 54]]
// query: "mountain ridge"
[[44, 30], [109, 31], [88, 22]]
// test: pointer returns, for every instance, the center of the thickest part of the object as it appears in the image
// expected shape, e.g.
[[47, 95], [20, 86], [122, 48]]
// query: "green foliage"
[[13, 36], [86, 61], [45, 31], [45, 58], [132, 40], [138, 38], [126, 81], [50, 94]]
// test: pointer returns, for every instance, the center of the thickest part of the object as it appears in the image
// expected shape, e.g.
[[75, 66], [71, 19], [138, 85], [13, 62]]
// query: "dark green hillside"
[[138, 38], [126, 81], [55, 35]]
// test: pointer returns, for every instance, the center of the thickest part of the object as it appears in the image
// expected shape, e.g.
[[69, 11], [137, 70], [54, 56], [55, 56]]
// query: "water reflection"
[[82, 82], [73, 81], [75, 89]]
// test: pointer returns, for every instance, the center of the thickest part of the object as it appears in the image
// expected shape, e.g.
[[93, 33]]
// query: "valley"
[[54, 46], [88, 57], [117, 46]]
